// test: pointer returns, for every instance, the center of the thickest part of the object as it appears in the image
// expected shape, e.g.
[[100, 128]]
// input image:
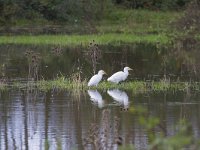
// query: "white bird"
[[96, 97], [120, 96], [96, 78], [119, 76]]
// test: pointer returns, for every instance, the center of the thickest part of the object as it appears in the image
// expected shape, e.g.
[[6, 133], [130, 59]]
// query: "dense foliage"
[[73, 10], [60, 10], [154, 4]]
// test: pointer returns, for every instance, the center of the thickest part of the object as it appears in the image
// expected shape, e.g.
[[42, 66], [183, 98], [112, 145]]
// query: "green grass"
[[135, 86], [114, 20], [137, 21], [117, 25], [74, 40]]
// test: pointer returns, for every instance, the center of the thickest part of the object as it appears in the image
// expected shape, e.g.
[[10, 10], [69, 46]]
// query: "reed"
[[3, 86]]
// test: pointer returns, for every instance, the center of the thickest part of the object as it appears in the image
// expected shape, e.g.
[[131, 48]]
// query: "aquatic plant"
[[46, 144], [4, 83], [181, 139], [94, 54], [99, 135], [33, 63], [3, 86], [57, 50], [76, 79], [106, 133]]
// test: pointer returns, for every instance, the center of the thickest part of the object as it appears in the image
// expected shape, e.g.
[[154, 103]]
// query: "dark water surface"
[[150, 62], [66, 119]]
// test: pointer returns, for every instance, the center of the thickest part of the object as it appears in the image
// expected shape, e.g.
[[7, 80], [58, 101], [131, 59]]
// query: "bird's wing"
[[95, 95], [118, 95], [94, 80], [117, 77]]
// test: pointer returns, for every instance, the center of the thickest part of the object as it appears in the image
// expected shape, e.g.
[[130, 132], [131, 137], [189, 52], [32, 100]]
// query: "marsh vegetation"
[[49, 51]]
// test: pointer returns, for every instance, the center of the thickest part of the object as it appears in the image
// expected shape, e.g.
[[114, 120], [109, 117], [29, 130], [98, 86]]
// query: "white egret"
[[119, 76], [120, 96], [96, 78], [96, 98]]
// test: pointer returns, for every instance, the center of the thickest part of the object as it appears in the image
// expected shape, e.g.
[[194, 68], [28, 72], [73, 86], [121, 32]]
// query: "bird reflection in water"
[[96, 98], [120, 97]]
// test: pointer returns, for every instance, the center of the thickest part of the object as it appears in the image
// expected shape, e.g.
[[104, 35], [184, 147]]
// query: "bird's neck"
[[100, 75], [126, 72]]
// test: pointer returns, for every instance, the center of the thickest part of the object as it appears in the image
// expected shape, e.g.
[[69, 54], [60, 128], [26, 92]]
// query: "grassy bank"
[[116, 20], [119, 25], [137, 21], [135, 86]]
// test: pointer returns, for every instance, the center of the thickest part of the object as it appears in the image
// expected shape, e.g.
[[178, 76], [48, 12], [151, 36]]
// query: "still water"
[[149, 62], [91, 119], [70, 119]]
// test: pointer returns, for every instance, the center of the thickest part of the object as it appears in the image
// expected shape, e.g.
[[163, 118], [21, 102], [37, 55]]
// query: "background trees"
[[68, 10]]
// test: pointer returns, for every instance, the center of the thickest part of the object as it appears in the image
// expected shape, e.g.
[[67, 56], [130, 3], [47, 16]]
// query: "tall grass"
[[3, 86]]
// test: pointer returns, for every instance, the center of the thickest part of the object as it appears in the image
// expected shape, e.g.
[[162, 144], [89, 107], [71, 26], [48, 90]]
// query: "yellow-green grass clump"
[[135, 86]]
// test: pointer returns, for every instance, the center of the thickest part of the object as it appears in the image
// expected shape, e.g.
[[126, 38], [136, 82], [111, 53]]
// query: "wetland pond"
[[89, 119]]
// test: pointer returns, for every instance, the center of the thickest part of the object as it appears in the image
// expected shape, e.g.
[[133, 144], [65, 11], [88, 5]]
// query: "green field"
[[74, 40], [119, 25], [137, 21]]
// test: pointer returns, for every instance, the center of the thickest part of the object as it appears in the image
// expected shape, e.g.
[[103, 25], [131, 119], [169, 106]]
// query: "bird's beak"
[[130, 69], [105, 73]]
